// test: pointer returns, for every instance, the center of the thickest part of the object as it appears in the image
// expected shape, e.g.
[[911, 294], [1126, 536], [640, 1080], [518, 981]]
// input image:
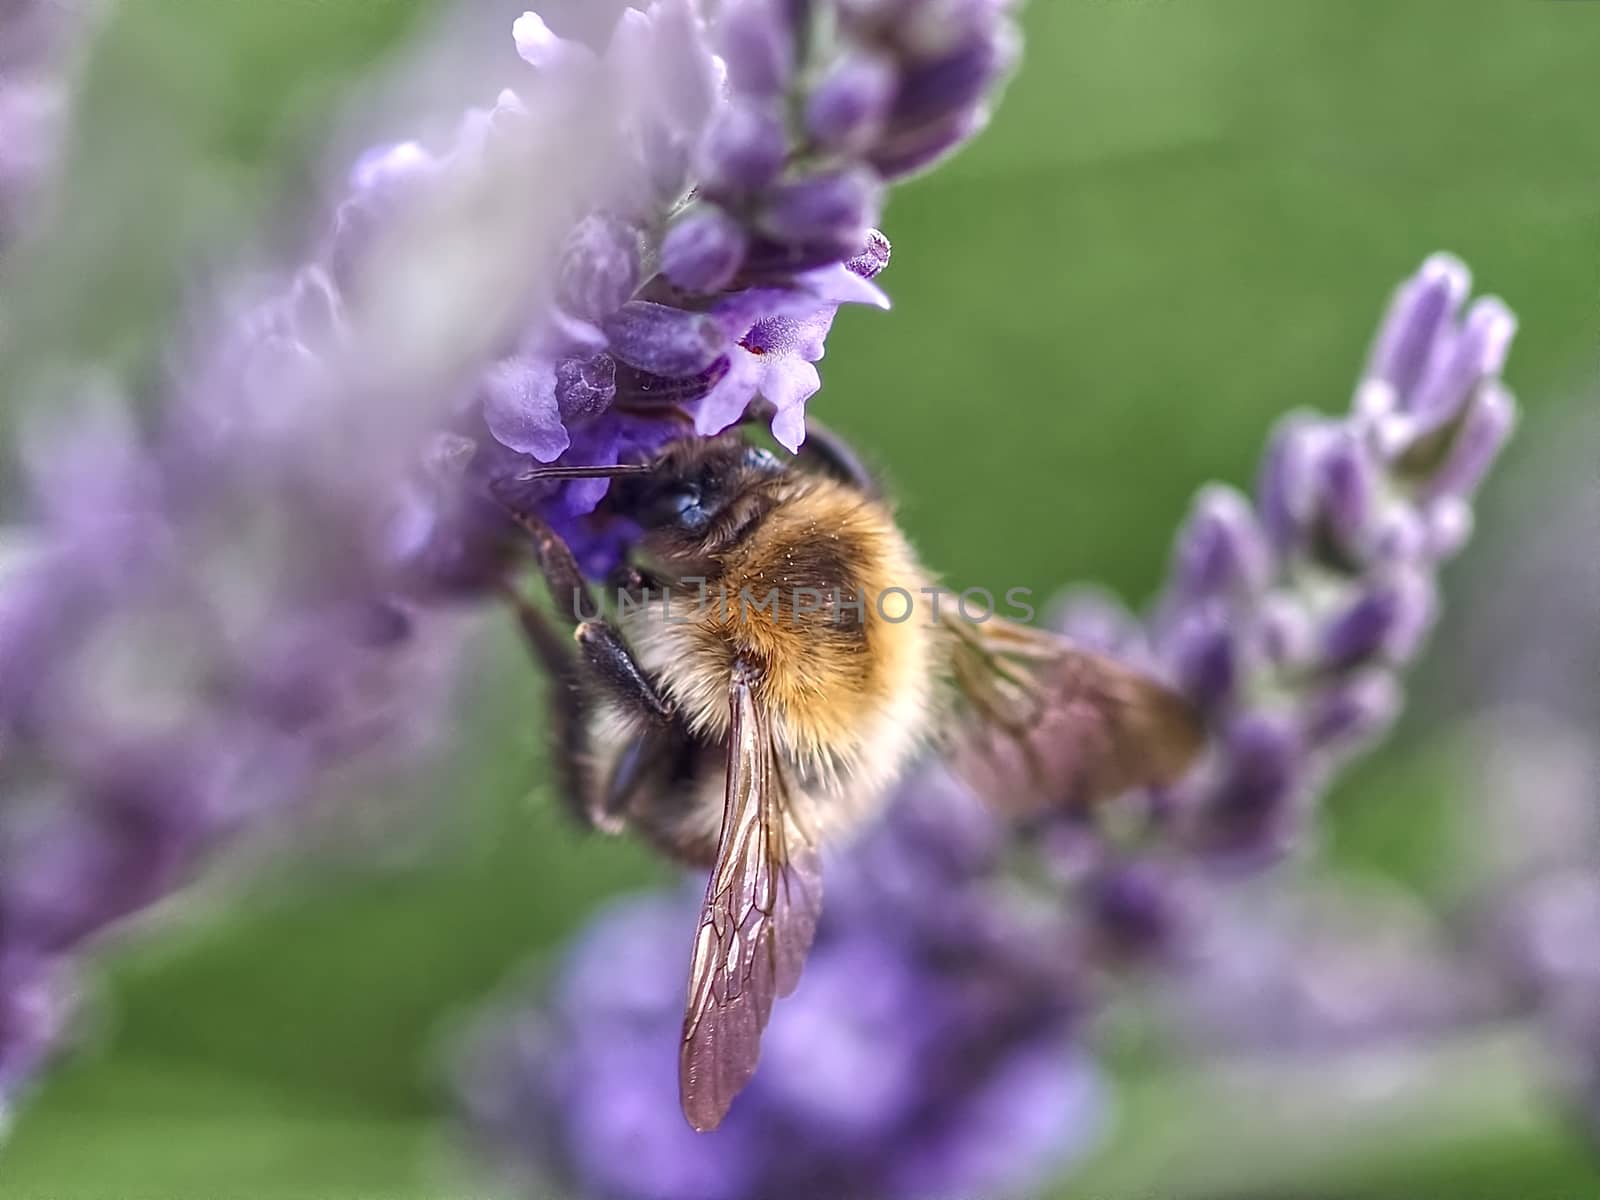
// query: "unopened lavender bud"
[[599, 267], [585, 387], [849, 106], [1386, 622], [1134, 910], [1416, 316], [704, 249], [1260, 778], [1286, 487], [1205, 657], [1285, 632], [744, 150], [1353, 711], [1222, 549], [664, 340], [836, 207], [757, 43], [1347, 490], [1484, 428], [956, 81], [1478, 353]]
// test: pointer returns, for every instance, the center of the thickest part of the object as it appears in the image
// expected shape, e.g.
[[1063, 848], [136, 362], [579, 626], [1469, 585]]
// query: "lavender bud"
[[954, 82], [1387, 621], [584, 387], [758, 46], [599, 267], [838, 207], [1352, 712], [906, 152], [848, 107], [1416, 316], [1484, 428], [1478, 353], [744, 150], [1260, 776], [1347, 491], [704, 249], [1205, 658], [1134, 912], [663, 340], [1222, 549], [1285, 489]]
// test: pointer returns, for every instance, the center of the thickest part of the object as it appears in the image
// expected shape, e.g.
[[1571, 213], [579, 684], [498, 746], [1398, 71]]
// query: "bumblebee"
[[769, 670]]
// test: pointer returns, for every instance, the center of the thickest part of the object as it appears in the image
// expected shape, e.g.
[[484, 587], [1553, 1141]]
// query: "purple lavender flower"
[[1287, 621], [928, 1052], [213, 616], [754, 232]]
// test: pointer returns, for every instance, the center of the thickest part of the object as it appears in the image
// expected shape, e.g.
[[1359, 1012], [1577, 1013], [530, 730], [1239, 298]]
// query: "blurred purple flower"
[[928, 1051], [758, 231], [211, 614]]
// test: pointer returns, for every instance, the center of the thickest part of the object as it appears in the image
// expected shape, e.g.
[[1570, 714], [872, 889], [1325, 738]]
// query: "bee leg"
[[604, 651], [568, 705]]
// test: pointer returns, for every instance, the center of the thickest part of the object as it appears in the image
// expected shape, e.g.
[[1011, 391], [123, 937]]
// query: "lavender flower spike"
[[217, 611], [1352, 520], [758, 227]]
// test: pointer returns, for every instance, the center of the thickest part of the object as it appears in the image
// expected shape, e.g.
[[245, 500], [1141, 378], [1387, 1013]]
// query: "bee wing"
[[757, 923], [1051, 724]]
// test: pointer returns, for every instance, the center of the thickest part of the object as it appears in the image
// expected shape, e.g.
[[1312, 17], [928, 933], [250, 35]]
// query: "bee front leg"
[[600, 643]]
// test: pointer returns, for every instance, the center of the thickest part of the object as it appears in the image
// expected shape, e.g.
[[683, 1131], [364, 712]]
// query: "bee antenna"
[[595, 472]]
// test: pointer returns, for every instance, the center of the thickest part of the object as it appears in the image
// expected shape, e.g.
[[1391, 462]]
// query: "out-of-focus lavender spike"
[[927, 1051], [221, 607]]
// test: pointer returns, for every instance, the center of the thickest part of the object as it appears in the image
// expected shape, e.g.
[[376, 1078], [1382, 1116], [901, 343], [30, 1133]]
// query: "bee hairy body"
[[769, 674], [816, 588]]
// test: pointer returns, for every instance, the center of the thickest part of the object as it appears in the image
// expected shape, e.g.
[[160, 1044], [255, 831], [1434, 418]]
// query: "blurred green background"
[[1186, 218]]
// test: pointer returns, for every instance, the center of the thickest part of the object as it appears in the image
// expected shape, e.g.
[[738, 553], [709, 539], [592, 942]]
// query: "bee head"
[[693, 483]]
